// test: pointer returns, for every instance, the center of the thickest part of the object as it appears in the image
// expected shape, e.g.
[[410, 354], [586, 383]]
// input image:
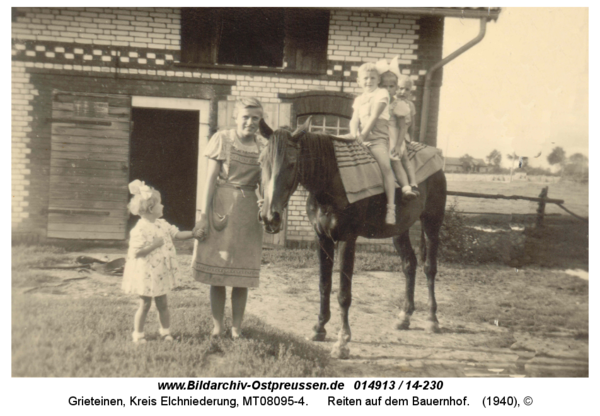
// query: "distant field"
[[575, 195]]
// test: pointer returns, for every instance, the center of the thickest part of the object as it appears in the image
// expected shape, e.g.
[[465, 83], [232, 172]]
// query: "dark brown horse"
[[309, 159]]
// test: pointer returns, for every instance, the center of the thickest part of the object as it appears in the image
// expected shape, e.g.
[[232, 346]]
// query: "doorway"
[[164, 154]]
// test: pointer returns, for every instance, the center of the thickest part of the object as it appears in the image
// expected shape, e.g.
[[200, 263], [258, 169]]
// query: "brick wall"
[[147, 40], [137, 51]]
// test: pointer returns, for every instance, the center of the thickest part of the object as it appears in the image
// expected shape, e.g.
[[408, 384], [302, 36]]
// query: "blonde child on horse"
[[369, 125]]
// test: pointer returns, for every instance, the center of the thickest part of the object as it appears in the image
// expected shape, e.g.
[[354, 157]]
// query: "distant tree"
[[557, 156], [467, 162], [578, 158], [494, 159], [576, 167]]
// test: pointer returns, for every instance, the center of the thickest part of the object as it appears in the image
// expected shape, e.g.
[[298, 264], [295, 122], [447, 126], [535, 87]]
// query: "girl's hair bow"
[[138, 187], [382, 66]]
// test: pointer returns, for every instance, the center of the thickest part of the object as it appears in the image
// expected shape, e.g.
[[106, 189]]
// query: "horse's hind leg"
[[409, 267], [325, 252], [347, 253], [431, 225]]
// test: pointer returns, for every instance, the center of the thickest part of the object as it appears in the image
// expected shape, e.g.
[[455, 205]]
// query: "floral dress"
[[156, 273]]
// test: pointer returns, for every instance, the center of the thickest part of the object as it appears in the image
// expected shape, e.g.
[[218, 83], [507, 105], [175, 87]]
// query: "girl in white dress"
[[151, 268]]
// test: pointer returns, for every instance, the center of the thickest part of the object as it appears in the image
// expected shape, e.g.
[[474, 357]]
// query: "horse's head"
[[279, 162]]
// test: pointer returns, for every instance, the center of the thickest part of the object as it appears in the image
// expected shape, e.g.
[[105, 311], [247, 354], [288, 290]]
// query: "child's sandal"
[[167, 337], [408, 194], [390, 216]]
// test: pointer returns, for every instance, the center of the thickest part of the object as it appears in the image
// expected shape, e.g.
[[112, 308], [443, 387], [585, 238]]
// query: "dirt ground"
[[288, 299]]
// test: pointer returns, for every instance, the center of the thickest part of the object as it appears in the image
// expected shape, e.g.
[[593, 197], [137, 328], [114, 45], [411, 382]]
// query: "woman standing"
[[229, 246]]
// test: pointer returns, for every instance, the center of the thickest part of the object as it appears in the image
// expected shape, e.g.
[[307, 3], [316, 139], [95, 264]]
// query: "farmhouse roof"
[[453, 161], [491, 13]]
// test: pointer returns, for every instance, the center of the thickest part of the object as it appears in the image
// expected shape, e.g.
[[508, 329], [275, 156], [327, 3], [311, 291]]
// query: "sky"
[[523, 88]]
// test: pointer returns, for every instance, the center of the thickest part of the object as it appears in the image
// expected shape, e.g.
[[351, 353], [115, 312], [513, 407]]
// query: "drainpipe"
[[438, 65]]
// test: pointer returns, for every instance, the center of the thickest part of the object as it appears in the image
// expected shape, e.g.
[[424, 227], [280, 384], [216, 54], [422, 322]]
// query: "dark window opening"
[[251, 37], [259, 37]]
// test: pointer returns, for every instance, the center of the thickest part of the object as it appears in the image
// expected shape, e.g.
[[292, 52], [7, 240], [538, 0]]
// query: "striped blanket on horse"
[[361, 175]]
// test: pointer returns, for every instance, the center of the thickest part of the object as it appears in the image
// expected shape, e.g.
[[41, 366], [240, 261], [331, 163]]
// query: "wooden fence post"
[[541, 208]]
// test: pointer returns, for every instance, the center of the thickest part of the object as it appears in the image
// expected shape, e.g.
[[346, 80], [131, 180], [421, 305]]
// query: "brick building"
[[101, 96]]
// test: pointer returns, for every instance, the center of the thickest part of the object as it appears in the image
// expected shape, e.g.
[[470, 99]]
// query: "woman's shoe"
[[138, 337], [166, 334]]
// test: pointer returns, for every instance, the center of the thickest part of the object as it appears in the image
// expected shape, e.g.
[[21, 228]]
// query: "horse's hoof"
[[318, 336], [404, 323], [433, 327], [340, 351]]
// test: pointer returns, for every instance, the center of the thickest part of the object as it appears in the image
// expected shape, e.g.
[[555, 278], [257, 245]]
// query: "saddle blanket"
[[360, 172]]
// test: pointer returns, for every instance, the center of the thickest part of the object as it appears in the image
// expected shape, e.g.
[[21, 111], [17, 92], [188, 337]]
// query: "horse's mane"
[[316, 159], [318, 164]]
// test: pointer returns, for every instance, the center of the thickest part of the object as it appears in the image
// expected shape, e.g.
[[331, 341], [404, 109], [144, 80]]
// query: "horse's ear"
[[264, 129], [302, 129]]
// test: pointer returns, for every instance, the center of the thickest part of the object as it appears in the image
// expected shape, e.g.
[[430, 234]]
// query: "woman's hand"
[[157, 242], [200, 230], [394, 154]]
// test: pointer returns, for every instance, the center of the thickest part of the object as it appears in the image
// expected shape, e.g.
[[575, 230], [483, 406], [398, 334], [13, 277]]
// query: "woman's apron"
[[231, 253]]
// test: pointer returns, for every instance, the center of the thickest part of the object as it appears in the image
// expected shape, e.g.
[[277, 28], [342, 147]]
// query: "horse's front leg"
[[409, 267], [347, 252], [326, 253]]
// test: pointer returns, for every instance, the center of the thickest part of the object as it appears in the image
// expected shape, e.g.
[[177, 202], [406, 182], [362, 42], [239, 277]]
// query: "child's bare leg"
[[164, 317], [217, 306], [399, 172], [239, 296], [380, 153], [140, 317]]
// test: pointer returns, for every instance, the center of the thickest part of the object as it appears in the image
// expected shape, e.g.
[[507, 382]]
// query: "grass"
[[529, 300], [64, 337], [69, 336], [26, 258], [55, 334]]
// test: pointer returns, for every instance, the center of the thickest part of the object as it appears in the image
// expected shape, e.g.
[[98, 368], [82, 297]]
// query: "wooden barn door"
[[276, 115], [89, 166]]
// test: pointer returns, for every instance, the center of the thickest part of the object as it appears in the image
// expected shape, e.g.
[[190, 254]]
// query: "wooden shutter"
[[306, 36], [89, 166], [199, 35]]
